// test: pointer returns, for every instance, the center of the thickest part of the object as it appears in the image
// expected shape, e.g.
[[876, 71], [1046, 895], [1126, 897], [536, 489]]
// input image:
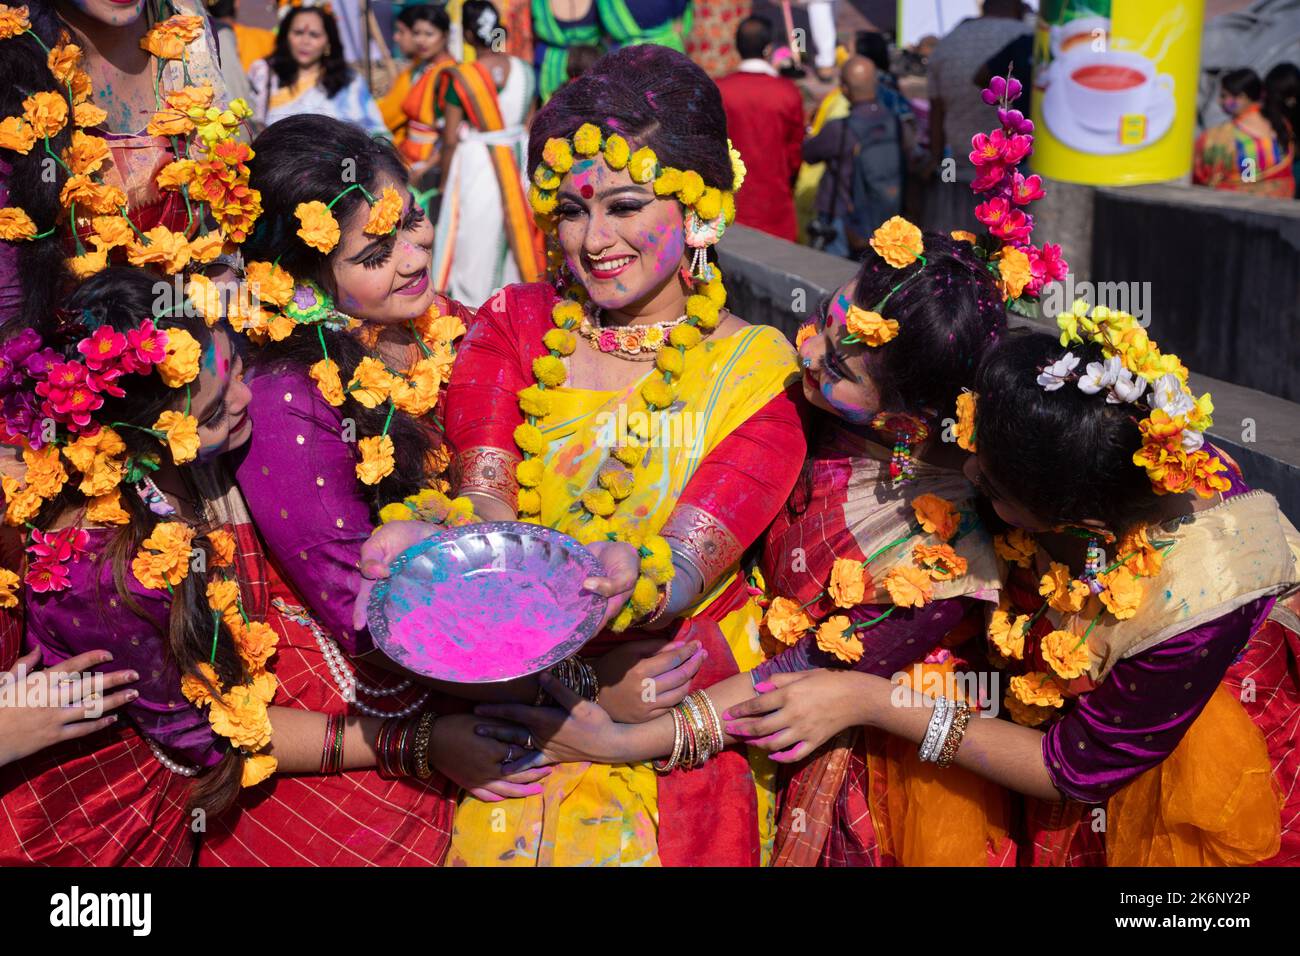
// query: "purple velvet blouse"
[[299, 478], [89, 616]]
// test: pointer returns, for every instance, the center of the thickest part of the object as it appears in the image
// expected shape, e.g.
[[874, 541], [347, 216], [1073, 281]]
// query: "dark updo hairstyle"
[[433, 14], [335, 72], [949, 312], [1066, 456], [36, 180], [304, 158], [481, 23], [121, 298], [654, 97]]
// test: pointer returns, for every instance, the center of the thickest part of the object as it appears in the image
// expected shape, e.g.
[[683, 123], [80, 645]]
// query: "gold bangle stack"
[[420, 749], [664, 598], [697, 734], [577, 675], [952, 742]]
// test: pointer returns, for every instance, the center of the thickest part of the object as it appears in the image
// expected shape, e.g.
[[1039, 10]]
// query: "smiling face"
[[625, 245], [835, 376], [307, 38], [219, 399], [116, 13], [384, 279]]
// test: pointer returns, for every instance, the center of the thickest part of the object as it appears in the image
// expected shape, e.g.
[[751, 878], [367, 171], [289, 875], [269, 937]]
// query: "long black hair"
[[1065, 455], [335, 72], [1282, 96], [309, 158], [35, 180], [1246, 82], [121, 297]]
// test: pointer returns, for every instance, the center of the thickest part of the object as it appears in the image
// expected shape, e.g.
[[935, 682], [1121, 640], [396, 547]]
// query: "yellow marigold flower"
[[1122, 594], [529, 439], [1065, 654], [729, 207], [46, 112], [1037, 688], [549, 370], [684, 336], [658, 565], [1138, 554], [206, 247], [376, 459], [645, 596], [163, 560], [180, 364], [529, 501], [417, 393], [617, 151], [898, 242], [167, 40], [848, 586], [961, 235], [181, 433], [692, 187], [545, 178], [940, 561], [966, 421], [709, 205], [171, 250], [670, 361], [871, 328], [1007, 632], [623, 619], [15, 224], [17, 134], [1013, 269], [599, 502], [785, 621], [13, 21], [21, 502], [1027, 715], [256, 768], [107, 509], [586, 141], [90, 262], [371, 383], [835, 638], [1016, 547], [86, 153], [738, 168], [657, 393], [703, 309], [936, 516], [558, 155], [619, 482], [534, 402], [806, 331], [384, 213], [560, 340], [255, 643], [9, 583], [46, 475], [641, 167], [86, 115], [240, 714], [629, 453], [908, 586], [195, 690], [529, 472], [319, 229], [668, 182], [269, 282], [1063, 592]]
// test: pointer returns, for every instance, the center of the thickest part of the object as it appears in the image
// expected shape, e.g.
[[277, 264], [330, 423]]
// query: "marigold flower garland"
[[597, 519]]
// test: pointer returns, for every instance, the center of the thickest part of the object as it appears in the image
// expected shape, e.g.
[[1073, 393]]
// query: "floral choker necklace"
[[637, 343]]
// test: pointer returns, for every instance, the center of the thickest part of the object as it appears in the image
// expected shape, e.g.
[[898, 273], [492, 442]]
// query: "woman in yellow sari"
[[640, 416]]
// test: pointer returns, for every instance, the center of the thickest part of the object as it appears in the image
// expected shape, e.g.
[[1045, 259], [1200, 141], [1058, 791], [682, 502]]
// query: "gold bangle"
[[420, 750], [663, 604], [678, 736], [956, 732]]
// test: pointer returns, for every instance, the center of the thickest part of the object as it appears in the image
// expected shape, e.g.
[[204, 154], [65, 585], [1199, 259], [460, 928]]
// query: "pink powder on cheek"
[[671, 242]]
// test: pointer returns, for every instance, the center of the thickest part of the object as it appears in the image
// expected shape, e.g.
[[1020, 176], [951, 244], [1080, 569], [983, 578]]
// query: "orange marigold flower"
[[181, 432], [269, 282], [966, 421], [91, 196], [171, 250], [86, 153], [806, 331], [240, 714], [17, 134], [1122, 594], [384, 214], [319, 228], [1138, 554], [1016, 547], [45, 472], [169, 123], [1037, 688], [195, 690], [848, 585], [371, 383], [786, 621], [167, 40], [1007, 632], [107, 509], [1065, 654], [206, 247], [1027, 715], [223, 595], [870, 328], [961, 235], [176, 174], [908, 586], [9, 584], [180, 364], [13, 21], [16, 224], [86, 115], [164, 557], [1063, 592], [898, 242], [63, 60], [940, 561], [114, 231], [90, 262], [46, 112], [835, 638], [417, 393], [256, 768], [189, 97], [376, 459], [255, 643], [1014, 273], [223, 547], [936, 516]]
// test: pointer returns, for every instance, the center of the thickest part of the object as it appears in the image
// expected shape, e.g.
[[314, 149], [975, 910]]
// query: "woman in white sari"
[[486, 237], [308, 74]]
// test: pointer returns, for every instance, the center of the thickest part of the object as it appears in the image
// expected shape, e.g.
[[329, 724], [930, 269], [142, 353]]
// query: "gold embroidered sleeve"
[[488, 471], [703, 540]]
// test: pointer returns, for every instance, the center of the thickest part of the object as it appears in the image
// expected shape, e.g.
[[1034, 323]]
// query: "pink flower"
[[68, 393], [608, 341], [1026, 190], [993, 212], [1016, 147], [990, 178], [1014, 121], [985, 149], [146, 347], [1014, 228], [43, 576], [1001, 89], [68, 544], [102, 348], [105, 382], [1045, 265]]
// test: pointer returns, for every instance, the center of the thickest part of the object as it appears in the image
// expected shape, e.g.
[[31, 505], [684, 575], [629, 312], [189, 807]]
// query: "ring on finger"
[[510, 753], [528, 744]]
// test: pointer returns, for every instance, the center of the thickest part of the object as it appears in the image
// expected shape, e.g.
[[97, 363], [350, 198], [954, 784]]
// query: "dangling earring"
[[700, 234], [1092, 565], [906, 431]]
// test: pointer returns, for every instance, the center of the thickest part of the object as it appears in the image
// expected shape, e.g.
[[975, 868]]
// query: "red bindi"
[[587, 192]]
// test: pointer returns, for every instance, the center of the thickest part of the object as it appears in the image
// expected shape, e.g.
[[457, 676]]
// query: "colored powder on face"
[[847, 411], [839, 310]]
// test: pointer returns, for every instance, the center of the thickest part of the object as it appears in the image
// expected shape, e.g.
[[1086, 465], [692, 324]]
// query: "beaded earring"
[[905, 431]]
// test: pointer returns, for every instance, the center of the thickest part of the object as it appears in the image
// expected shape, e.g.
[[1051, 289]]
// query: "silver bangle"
[[934, 732]]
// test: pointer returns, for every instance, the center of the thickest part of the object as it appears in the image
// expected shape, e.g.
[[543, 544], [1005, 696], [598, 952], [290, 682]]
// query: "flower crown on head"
[[319, 229], [1135, 371]]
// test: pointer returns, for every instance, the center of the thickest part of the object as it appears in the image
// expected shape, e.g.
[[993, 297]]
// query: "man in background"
[[766, 122]]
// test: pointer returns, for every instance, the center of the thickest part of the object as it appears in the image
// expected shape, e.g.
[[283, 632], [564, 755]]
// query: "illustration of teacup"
[[1103, 87], [1079, 35]]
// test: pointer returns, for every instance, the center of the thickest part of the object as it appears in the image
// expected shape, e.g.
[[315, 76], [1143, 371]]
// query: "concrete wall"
[[782, 284]]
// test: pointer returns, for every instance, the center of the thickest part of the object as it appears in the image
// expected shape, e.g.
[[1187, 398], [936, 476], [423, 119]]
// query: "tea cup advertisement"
[[1114, 100]]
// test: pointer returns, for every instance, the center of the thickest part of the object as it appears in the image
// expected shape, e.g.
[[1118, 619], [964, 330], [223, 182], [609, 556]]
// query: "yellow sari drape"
[[591, 814]]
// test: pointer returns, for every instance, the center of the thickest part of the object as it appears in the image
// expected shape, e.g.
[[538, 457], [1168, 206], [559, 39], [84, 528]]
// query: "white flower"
[[1127, 388], [1101, 375], [1168, 395], [1192, 441], [1054, 376]]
